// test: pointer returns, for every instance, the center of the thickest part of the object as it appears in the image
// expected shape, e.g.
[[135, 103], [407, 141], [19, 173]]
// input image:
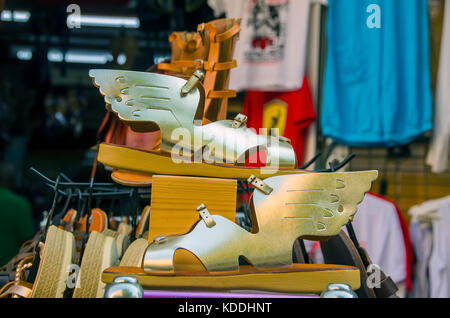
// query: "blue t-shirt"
[[377, 88]]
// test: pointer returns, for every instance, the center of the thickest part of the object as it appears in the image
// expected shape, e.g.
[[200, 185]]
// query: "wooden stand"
[[175, 200]]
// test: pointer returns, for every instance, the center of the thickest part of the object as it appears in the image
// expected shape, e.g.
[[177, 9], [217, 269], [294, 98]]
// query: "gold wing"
[[312, 204], [140, 97]]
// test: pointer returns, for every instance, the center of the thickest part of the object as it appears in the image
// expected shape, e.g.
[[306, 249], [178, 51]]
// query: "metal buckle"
[[206, 216], [202, 64], [192, 82], [202, 28], [260, 185], [239, 120], [284, 139], [160, 239]]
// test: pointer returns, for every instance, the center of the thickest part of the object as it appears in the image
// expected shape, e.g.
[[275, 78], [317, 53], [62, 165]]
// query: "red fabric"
[[407, 240], [300, 113]]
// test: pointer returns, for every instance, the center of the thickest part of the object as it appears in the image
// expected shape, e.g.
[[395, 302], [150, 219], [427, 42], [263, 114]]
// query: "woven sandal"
[[57, 255], [100, 253], [135, 253], [122, 241]]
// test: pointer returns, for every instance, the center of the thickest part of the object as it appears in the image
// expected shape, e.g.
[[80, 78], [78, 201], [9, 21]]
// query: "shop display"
[[184, 194], [142, 99]]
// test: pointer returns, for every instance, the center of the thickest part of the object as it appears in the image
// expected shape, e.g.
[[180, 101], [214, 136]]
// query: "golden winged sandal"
[[175, 105], [313, 206], [212, 48]]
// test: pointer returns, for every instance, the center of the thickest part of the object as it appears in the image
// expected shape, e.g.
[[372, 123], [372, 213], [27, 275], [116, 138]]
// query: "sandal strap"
[[222, 94], [169, 67], [223, 66], [235, 29], [176, 66], [181, 43], [19, 288]]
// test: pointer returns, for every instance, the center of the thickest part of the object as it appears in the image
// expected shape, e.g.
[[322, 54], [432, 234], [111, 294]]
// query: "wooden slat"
[[175, 199]]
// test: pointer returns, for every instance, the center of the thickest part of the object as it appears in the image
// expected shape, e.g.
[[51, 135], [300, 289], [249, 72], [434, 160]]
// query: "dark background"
[[33, 90]]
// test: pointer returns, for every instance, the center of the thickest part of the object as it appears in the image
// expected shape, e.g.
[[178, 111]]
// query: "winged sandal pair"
[[289, 203]]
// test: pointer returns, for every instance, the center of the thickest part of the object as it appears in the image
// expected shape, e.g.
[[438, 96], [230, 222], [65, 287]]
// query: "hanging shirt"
[[290, 112], [422, 240], [439, 265], [271, 50], [378, 229], [439, 151], [407, 243], [377, 89]]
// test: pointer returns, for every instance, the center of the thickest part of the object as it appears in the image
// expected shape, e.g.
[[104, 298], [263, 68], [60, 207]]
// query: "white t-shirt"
[[378, 230], [438, 154], [422, 241], [271, 49], [439, 265]]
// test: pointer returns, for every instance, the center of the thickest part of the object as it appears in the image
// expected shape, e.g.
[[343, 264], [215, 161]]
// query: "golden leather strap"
[[169, 67], [21, 288], [188, 37], [187, 63], [223, 66], [235, 29], [175, 36], [222, 94], [23, 265]]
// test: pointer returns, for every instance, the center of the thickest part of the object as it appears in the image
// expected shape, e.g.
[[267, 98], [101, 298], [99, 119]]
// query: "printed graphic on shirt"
[[268, 24], [274, 116]]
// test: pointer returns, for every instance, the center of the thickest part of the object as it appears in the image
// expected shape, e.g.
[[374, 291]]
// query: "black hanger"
[[88, 217], [309, 163], [342, 164], [37, 259], [58, 217], [134, 211]]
